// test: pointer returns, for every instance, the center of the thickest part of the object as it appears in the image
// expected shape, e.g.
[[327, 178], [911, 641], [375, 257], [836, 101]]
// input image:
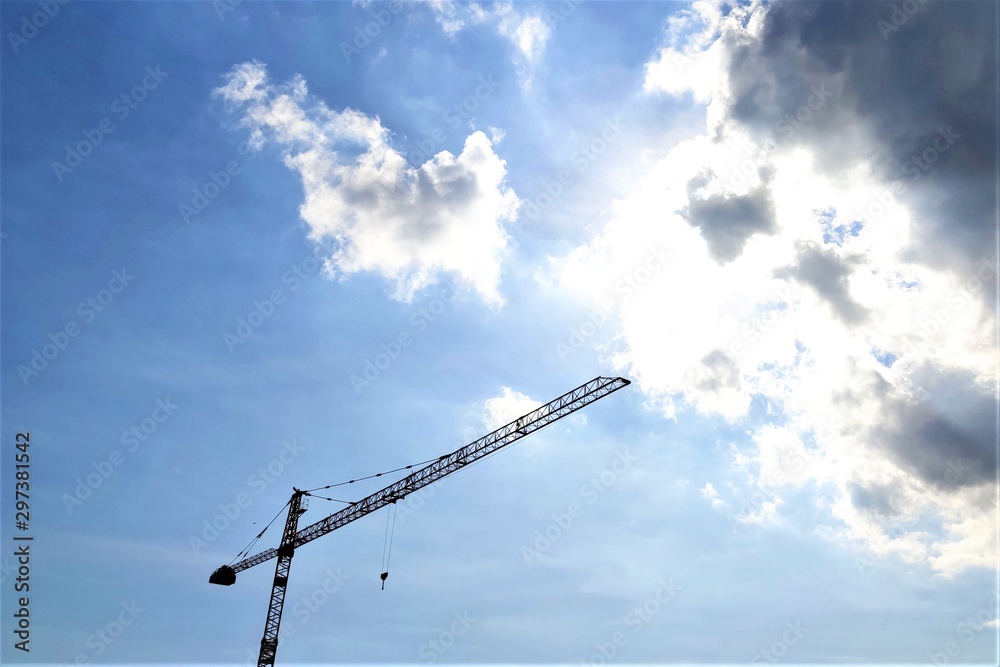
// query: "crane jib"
[[533, 421]]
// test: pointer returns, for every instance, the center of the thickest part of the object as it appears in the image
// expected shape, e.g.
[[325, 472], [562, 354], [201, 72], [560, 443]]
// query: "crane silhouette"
[[292, 538]]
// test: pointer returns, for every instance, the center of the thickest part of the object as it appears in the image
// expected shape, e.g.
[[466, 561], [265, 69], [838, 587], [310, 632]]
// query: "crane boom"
[[477, 450], [552, 411]]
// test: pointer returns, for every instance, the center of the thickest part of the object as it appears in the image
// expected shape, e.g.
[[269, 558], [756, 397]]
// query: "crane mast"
[[292, 538], [269, 644]]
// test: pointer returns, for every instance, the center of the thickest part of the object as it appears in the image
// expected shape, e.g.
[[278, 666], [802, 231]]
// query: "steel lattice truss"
[[269, 644], [537, 419]]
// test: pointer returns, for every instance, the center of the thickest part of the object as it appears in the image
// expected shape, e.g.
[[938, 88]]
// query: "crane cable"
[[385, 563], [247, 548], [387, 552], [389, 472], [336, 500], [378, 474]]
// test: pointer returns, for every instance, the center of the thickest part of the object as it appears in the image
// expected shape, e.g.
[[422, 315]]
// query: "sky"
[[251, 246]]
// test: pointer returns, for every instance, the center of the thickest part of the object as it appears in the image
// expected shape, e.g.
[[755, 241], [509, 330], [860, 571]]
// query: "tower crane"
[[292, 538]]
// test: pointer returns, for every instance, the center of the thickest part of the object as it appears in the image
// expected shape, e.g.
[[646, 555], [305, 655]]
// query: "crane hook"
[[387, 545]]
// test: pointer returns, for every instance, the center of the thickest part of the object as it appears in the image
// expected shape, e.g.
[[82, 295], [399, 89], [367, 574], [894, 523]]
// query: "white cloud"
[[763, 297], [407, 224], [505, 408], [971, 543], [450, 16], [709, 493], [763, 515], [691, 59], [528, 33]]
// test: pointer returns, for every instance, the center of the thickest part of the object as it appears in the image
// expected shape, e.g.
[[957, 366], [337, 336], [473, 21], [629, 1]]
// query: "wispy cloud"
[[527, 31]]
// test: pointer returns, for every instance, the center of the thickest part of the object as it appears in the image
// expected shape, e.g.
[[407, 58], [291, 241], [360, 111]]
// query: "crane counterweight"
[[224, 576]]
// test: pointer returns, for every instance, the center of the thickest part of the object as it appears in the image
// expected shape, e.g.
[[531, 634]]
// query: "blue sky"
[[778, 220]]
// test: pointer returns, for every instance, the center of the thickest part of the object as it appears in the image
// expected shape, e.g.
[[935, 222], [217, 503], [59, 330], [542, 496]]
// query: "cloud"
[[806, 273], [527, 32], [726, 221], [878, 498], [689, 61], [764, 514], [946, 433], [709, 493], [407, 224], [916, 109], [827, 275], [505, 408]]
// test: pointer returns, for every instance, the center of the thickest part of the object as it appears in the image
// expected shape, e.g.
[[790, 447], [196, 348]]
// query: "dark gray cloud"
[[947, 434], [726, 222], [878, 499], [827, 275], [719, 371], [922, 84]]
